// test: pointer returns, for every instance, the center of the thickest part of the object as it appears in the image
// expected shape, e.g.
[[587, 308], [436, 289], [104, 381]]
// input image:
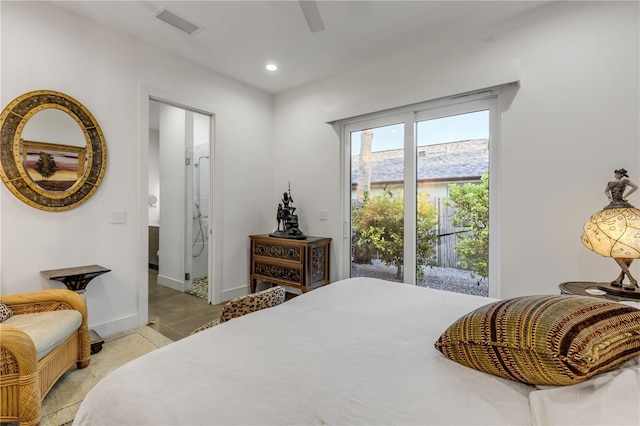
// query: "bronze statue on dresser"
[[286, 217]]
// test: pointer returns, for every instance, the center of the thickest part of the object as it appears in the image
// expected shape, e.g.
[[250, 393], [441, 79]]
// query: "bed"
[[358, 351]]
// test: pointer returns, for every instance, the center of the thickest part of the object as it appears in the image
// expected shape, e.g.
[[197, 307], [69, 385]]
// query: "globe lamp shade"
[[614, 233]]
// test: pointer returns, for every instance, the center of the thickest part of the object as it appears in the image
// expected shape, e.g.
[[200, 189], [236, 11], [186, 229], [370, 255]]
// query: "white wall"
[[105, 71], [573, 121]]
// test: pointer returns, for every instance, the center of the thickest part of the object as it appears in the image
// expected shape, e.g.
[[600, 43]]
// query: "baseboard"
[[244, 290], [116, 326], [234, 292], [171, 283]]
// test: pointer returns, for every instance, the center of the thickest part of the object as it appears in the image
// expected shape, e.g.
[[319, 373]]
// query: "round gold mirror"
[[52, 152]]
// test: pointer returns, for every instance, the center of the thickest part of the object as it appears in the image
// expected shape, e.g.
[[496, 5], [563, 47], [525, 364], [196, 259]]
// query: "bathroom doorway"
[[180, 197]]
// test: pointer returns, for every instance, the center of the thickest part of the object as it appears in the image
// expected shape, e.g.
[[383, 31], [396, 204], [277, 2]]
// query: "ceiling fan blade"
[[312, 15]]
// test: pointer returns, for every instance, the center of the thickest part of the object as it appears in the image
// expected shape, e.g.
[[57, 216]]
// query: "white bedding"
[[358, 351], [611, 398]]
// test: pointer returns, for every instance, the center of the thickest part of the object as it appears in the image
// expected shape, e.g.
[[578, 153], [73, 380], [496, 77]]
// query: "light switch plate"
[[118, 216]]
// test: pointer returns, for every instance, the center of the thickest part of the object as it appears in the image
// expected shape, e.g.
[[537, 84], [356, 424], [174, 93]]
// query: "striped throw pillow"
[[545, 340]]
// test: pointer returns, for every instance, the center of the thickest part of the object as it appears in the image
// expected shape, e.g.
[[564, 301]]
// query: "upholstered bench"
[[45, 334]]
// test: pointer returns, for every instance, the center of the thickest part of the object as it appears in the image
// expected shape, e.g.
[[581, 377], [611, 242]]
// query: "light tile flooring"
[[176, 314]]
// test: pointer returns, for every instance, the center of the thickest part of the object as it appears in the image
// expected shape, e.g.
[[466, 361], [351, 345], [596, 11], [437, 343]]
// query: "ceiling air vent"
[[177, 21]]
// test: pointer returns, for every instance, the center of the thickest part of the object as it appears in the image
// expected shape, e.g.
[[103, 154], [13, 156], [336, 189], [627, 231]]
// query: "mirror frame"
[[12, 121]]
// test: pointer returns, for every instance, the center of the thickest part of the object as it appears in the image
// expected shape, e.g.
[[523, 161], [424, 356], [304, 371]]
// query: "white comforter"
[[358, 351]]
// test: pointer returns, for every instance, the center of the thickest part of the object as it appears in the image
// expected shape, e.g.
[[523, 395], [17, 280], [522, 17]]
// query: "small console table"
[[77, 279], [301, 264]]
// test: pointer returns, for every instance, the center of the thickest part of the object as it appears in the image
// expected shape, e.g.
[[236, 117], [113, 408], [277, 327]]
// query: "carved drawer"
[[302, 264]]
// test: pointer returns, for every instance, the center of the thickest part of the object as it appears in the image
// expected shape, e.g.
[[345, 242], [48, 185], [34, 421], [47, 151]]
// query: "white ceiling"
[[240, 37]]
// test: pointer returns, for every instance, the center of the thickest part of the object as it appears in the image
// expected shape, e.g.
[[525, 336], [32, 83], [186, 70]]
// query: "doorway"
[[180, 198]]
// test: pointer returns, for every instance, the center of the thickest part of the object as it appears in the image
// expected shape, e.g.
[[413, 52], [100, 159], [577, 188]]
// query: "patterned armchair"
[[246, 304], [45, 334]]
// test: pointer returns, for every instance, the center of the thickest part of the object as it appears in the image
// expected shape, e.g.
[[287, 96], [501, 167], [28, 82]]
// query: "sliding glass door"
[[418, 195]]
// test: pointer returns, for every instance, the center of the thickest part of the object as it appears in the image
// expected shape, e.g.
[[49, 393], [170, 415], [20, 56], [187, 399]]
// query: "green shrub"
[[378, 225], [471, 202]]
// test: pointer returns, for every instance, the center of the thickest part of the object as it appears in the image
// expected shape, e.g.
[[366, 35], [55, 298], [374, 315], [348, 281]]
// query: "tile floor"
[[176, 314]]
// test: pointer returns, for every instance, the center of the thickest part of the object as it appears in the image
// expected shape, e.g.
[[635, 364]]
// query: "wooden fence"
[[448, 237]]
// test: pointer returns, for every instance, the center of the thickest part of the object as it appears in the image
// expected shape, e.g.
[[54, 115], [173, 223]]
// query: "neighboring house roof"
[[447, 161]]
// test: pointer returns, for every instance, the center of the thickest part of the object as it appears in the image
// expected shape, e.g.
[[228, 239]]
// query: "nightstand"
[[582, 288]]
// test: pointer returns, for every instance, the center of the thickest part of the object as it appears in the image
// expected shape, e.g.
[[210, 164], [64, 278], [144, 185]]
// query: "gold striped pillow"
[[545, 340]]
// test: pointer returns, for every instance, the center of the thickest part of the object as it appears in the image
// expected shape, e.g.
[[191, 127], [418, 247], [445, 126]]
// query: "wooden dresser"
[[302, 264]]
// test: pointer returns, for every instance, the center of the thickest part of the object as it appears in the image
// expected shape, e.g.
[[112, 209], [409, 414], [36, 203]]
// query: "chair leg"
[[29, 400]]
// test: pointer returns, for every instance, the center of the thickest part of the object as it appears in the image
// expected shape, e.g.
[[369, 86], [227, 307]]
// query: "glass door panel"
[[452, 167], [377, 202]]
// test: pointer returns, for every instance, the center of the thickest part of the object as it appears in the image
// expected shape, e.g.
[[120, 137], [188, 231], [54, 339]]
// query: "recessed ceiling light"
[[272, 67]]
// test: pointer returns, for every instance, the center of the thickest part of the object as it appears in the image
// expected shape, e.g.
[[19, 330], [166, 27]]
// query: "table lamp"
[[614, 232]]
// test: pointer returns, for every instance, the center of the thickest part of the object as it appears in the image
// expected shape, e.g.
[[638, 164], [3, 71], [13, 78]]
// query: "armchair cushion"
[[5, 312], [47, 329]]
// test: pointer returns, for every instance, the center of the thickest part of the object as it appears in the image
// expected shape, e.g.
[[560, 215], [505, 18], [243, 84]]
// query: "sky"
[[461, 127]]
